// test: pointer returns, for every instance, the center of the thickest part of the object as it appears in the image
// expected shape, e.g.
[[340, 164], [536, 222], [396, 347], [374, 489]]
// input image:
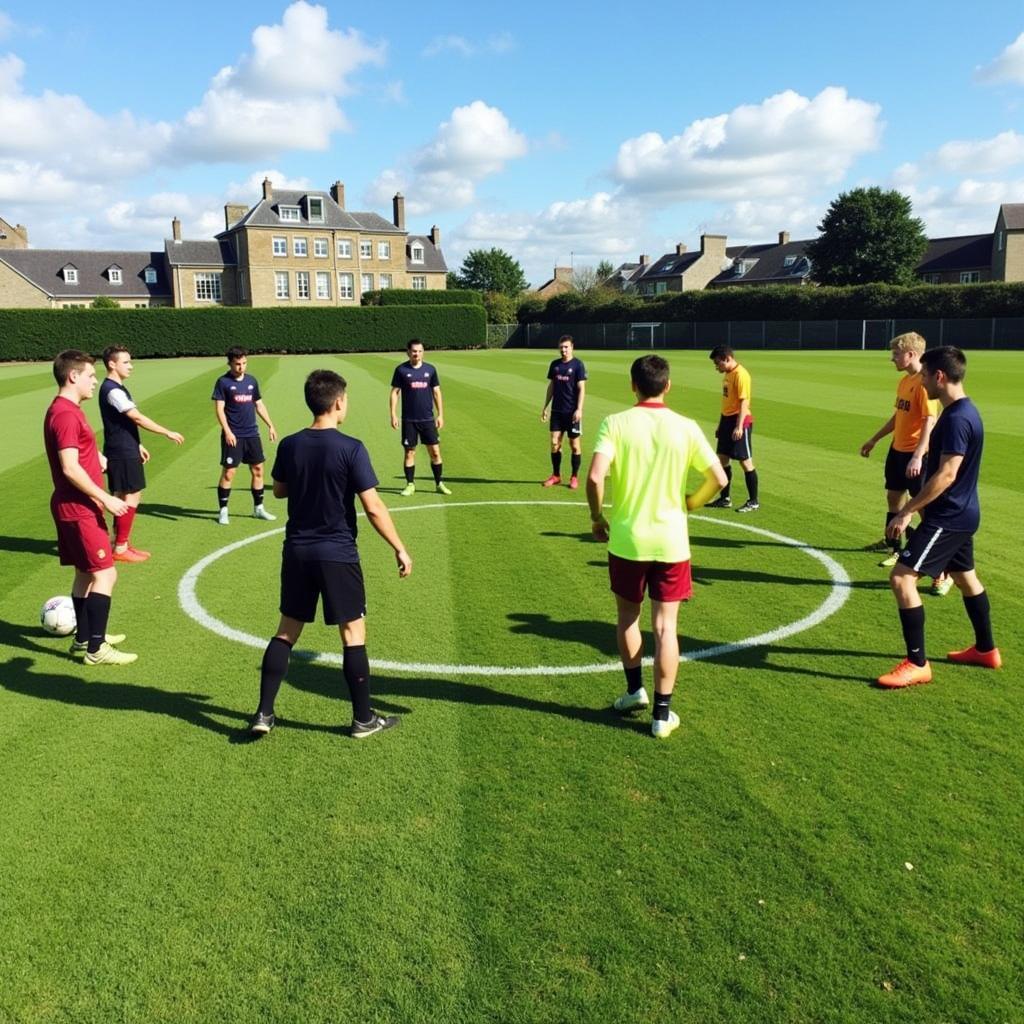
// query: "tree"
[[451, 280], [492, 270], [104, 302], [500, 308], [604, 271], [585, 280], [868, 236]]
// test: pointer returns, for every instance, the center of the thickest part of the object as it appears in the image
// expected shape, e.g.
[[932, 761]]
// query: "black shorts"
[[340, 584], [931, 551], [125, 476], [896, 478], [743, 448], [414, 431], [562, 423], [249, 451]]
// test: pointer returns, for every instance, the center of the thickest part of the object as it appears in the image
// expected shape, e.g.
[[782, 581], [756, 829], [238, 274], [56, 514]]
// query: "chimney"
[[398, 206], [176, 229], [680, 248], [268, 190], [233, 213], [644, 259], [783, 237], [713, 245], [435, 236], [563, 274], [338, 194]]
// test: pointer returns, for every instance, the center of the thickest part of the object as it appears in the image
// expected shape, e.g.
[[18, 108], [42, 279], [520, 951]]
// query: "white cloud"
[[982, 156], [747, 222], [964, 207], [500, 43], [1008, 66], [787, 143], [6, 25], [475, 143], [250, 190]]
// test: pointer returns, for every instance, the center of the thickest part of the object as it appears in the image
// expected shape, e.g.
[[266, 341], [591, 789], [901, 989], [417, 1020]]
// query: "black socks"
[[556, 463], [272, 671], [750, 476], [661, 703], [912, 621], [223, 493], [81, 620], [979, 613], [437, 468], [97, 612], [634, 680], [410, 473], [728, 481], [575, 460], [257, 497], [356, 669]]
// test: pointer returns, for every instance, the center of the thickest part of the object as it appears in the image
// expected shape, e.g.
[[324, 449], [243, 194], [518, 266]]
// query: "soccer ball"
[[57, 616]]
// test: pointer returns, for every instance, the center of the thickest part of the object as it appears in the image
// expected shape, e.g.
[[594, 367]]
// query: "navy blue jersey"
[[565, 376], [120, 435], [417, 386], [958, 431], [239, 398], [324, 471]]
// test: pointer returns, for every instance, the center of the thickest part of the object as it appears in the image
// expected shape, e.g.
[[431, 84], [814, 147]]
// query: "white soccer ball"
[[57, 616]]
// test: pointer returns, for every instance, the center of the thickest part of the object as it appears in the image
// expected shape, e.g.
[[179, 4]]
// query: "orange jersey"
[[735, 387], [913, 407]]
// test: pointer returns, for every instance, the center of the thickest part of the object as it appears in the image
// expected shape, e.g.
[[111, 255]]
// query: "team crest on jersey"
[[101, 552]]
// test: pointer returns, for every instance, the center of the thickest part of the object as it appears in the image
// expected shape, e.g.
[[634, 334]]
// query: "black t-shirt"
[[120, 434], [324, 471], [417, 386], [958, 431], [564, 394], [239, 398]]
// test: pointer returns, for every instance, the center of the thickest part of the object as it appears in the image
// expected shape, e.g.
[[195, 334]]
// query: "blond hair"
[[909, 342]]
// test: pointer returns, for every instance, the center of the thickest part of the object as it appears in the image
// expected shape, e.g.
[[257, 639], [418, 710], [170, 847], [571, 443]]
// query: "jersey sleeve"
[[218, 391], [582, 375], [742, 384], [702, 455], [957, 437], [396, 378], [361, 474], [118, 400], [551, 371], [67, 430], [931, 406], [434, 380], [282, 461], [256, 396], [605, 443]]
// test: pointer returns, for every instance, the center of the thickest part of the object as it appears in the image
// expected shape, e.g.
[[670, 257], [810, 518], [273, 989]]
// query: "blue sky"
[[558, 132]]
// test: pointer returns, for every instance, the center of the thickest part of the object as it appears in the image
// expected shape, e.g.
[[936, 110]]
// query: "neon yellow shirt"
[[651, 450]]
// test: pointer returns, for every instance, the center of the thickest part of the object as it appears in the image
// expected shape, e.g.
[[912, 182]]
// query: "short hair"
[[71, 359], [413, 341], [720, 352], [650, 375], [323, 388], [947, 358], [568, 338], [909, 342], [237, 352], [110, 352]]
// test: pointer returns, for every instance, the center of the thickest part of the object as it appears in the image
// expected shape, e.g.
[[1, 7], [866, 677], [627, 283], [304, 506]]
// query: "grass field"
[[805, 848]]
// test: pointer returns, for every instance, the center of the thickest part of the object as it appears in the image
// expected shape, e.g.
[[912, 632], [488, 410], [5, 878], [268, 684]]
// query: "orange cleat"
[[972, 656], [552, 480], [129, 555], [574, 482], [906, 673], [138, 551]]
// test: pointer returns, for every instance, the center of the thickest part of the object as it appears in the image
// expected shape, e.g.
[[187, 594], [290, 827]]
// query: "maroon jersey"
[[65, 426]]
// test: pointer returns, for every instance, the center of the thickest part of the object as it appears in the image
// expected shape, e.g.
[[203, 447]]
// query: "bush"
[[429, 297], [41, 333], [500, 308]]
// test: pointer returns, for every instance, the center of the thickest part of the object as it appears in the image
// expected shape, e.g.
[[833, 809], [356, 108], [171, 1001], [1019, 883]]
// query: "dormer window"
[[70, 275], [114, 275], [149, 275], [417, 254], [290, 213], [789, 261], [742, 266], [315, 208]]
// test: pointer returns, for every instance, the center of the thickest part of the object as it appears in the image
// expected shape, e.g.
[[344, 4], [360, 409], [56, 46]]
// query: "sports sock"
[[81, 619], [257, 496], [410, 473], [661, 703], [356, 669], [634, 680], [912, 621], [123, 527], [728, 481], [272, 671], [223, 493], [437, 468], [894, 543], [97, 610], [750, 476], [556, 463], [980, 614], [575, 461]]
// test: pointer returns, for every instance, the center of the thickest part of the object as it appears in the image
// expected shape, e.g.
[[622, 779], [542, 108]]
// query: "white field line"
[[837, 596]]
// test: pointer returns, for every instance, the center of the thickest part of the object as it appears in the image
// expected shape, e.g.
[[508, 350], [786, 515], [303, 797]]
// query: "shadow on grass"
[[424, 479], [174, 512], [29, 545], [599, 635]]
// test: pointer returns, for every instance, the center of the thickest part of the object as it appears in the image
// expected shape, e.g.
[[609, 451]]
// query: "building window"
[[70, 275], [150, 275], [315, 206], [345, 286], [383, 250], [281, 284], [930, 278], [114, 275], [302, 284], [323, 284], [417, 254], [789, 261], [208, 287], [419, 283], [320, 247], [280, 245], [344, 249], [366, 250], [291, 213], [385, 280], [999, 241], [299, 247], [142, 305], [366, 283], [970, 276]]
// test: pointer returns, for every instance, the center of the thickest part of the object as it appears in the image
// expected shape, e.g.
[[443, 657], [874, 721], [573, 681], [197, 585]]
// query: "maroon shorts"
[[84, 543], [664, 581]]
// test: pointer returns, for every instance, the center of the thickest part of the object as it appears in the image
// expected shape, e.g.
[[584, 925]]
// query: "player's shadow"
[[28, 545], [599, 635], [174, 512], [425, 481], [581, 535], [709, 575]]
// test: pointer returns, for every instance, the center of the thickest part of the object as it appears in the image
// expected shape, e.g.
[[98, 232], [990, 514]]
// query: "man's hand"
[[103, 462], [737, 433], [439, 422], [914, 466], [115, 506], [865, 448], [394, 422], [577, 416], [544, 415], [143, 454], [230, 440], [599, 528], [898, 524], [404, 563], [272, 433]]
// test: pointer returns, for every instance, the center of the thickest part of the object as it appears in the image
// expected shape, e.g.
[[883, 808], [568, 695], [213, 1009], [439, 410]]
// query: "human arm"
[[741, 417], [548, 395], [581, 394], [261, 411], [886, 428], [76, 475], [393, 403], [599, 466], [439, 406], [229, 438], [380, 519], [141, 420], [714, 480], [916, 463], [935, 485]]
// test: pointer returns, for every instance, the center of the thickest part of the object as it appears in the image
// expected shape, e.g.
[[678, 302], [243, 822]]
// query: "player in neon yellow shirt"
[[647, 453]]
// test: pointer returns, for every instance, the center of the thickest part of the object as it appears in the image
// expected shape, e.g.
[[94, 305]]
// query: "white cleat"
[[632, 701], [222, 517], [259, 512], [662, 730]]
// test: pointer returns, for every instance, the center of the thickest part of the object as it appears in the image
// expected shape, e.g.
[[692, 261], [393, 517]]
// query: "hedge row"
[[427, 297], [40, 333], [790, 302]]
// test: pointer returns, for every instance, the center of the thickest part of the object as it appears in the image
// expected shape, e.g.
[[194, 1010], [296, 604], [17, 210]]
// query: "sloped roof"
[[770, 263], [1013, 216], [265, 215], [964, 252], [672, 264], [42, 267], [200, 253], [433, 258]]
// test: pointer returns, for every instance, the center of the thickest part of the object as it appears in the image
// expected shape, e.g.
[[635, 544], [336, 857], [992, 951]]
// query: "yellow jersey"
[[735, 387], [913, 407]]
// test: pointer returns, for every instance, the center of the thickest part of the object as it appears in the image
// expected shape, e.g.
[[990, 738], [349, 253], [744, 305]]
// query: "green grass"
[[514, 852]]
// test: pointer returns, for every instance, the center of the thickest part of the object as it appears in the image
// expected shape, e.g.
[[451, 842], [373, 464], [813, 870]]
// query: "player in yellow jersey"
[[911, 424], [735, 427]]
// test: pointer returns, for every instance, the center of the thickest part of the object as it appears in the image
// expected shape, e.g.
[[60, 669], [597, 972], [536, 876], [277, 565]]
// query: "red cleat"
[[552, 480], [138, 551], [906, 673], [972, 656], [129, 555], [574, 482]]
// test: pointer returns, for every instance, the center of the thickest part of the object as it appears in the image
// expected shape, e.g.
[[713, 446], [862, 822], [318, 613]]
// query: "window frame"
[[70, 275], [304, 242], [323, 277], [282, 277], [325, 245], [302, 279], [213, 282], [413, 250], [970, 277], [149, 275], [384, 250], [366, 249], [349, 288], [282, 210], [347, 253], [318, 219], [279, 251], [390, 278], [419, 283], [365, 287]]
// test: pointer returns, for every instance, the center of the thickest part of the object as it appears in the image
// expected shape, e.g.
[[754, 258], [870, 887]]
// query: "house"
[[13, 236], [559, 284]]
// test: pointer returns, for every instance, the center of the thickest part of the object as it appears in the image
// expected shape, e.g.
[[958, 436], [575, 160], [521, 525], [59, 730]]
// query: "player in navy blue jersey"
[[567, 389], [124, 452], [950, 515], [237, 402], [422, 415], [321, 472]]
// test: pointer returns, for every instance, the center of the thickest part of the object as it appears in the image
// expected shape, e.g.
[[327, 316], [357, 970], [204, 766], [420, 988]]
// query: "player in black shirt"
[[566, 390], [417, 383], [321, 472], [124, 452]]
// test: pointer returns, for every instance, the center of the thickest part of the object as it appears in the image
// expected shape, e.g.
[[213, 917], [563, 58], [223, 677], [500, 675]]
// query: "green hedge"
[[424, 297], [790, 302], [29, 334]]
